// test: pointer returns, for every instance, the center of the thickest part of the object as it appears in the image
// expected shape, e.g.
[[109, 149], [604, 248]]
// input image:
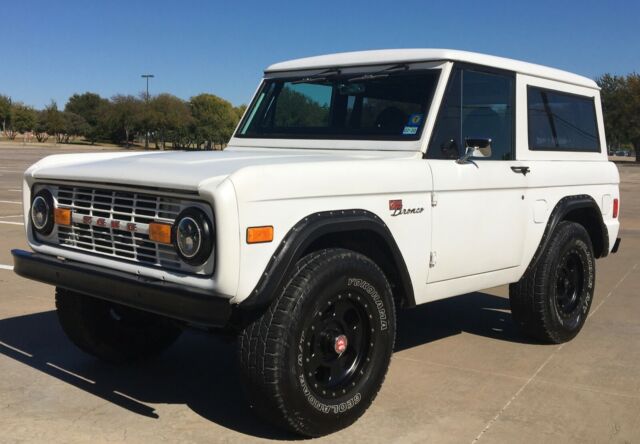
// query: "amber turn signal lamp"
[[62, 216], [160, 232], [258, 235]]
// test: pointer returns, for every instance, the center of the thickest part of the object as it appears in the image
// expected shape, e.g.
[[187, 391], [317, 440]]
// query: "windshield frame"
[[331, 141]]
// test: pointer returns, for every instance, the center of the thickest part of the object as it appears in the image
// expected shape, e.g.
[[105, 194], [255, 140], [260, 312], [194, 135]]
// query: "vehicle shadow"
[[478, 313], [200, 370]]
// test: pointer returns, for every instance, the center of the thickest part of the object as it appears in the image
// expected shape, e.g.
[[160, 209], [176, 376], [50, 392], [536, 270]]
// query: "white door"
[[480, 213]]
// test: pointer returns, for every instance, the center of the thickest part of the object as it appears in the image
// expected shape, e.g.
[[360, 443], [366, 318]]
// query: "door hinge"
[[434, 199], [432, 259]]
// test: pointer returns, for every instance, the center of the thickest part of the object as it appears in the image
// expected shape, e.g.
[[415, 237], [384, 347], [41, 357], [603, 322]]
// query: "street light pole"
[[146, 99]]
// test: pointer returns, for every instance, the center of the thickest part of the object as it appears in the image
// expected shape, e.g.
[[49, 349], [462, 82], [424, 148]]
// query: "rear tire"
[[316, 359], [551, 302], [113, 332]]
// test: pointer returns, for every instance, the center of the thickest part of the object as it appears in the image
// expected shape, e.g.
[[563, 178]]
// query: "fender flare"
[[560, 211], [311, 228]]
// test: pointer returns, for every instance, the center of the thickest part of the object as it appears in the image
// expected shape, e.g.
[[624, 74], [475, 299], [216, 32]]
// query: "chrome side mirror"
[[475, 148]]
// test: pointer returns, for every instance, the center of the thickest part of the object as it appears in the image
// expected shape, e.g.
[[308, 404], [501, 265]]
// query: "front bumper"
[[168, 299]]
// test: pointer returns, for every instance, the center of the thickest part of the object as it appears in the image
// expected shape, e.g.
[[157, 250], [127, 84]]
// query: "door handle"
[[521, 169]]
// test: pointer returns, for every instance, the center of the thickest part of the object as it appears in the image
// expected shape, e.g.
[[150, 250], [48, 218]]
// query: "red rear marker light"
[[616, 207]]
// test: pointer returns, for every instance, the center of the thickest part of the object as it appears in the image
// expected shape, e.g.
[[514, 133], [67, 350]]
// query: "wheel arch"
[[355, 229], [583, 210]]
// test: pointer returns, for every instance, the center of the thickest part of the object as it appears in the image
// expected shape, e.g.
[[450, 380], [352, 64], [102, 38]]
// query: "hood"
[[171, 169]]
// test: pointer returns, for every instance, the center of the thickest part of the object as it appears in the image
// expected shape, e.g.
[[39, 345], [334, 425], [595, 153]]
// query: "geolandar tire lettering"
[[314, 362]]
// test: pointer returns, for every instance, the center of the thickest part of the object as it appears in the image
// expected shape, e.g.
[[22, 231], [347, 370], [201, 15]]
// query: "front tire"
[[551, 302], [316, 359], [112, 332]]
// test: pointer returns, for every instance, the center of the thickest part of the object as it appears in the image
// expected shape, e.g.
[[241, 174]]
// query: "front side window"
[[477, 105], [560, 121], [379, 105]]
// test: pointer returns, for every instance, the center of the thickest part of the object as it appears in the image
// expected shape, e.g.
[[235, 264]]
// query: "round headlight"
[[192, 235], [42, 212]]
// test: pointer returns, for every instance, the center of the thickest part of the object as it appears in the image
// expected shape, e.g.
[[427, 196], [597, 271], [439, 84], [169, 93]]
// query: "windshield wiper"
[[382, 73], [319, 77]]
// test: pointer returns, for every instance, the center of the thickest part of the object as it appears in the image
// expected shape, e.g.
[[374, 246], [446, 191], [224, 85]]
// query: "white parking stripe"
[[15, 191], [13, 215], [10, 223], [16, 202], [6, 267]]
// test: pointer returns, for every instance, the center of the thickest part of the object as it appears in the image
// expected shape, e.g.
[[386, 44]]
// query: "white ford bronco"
[[356, 184]]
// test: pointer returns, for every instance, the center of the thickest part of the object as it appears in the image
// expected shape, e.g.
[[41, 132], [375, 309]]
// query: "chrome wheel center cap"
[[340, 344]]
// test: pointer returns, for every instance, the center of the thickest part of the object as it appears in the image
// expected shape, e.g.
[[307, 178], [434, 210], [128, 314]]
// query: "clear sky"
[[51, 49]]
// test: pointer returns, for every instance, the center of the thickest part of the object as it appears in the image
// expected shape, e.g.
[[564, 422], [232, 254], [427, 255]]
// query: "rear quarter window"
[[561, 121]]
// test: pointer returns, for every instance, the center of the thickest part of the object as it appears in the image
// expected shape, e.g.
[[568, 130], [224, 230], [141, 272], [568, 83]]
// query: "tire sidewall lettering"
[[326, 407]]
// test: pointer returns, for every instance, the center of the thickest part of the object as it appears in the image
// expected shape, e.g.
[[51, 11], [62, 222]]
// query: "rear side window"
[[560, 121]]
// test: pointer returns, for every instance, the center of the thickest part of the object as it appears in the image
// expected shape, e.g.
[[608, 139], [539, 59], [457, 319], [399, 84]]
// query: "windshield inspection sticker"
[[412, 125]]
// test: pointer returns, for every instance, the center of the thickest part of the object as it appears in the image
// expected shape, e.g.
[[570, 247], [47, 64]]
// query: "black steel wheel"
[[551, 302], [339, 342], [315, 360], [569, 283]]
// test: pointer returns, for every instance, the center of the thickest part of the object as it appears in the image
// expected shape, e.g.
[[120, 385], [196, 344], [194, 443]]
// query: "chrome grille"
[[126, 207]]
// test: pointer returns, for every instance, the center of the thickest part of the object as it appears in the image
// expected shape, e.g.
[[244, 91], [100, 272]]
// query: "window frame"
[[569, 94], [484, 69]]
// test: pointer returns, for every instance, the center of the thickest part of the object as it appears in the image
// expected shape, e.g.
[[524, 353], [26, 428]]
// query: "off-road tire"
[[113, 332], [325, 286], [543, 305]]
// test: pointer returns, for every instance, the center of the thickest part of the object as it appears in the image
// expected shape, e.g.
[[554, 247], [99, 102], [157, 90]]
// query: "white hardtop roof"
[[383, 56]]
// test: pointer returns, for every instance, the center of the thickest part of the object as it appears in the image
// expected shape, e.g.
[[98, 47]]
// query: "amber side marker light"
[[259, 235], [62, 216], [160, 232]]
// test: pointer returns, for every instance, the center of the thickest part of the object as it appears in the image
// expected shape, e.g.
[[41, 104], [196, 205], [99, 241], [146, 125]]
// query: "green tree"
[[170, 118], [621, 106], [5, 111], [24, 118], [40, 128], [55, 122], [91, 107], [214, 120], [124, 116]]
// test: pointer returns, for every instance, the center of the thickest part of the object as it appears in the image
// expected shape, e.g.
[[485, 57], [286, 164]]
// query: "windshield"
[[390, 104]]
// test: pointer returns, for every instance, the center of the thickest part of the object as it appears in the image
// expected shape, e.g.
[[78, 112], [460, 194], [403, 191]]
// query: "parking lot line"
[[6, 267], [544, 364], [13, 215], [14, 190], [6, 222], [16, 202]]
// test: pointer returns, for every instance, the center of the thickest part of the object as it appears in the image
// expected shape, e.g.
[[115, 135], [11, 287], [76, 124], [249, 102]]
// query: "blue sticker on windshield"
[[409, 130], [415, 119]]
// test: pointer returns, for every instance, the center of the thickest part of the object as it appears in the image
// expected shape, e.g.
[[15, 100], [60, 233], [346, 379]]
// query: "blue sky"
[[52, 49]]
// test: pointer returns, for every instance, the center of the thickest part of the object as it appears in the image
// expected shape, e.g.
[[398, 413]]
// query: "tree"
[[40, 128], [55, 122], [5, 111], [124, 116], [74, 125], [170, 118], [24, 118], [91, 107], [621, 106], [214, 119]]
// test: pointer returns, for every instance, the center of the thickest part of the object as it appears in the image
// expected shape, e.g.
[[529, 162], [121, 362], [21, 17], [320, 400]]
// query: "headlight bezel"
[[205, 230], [44, 196]]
